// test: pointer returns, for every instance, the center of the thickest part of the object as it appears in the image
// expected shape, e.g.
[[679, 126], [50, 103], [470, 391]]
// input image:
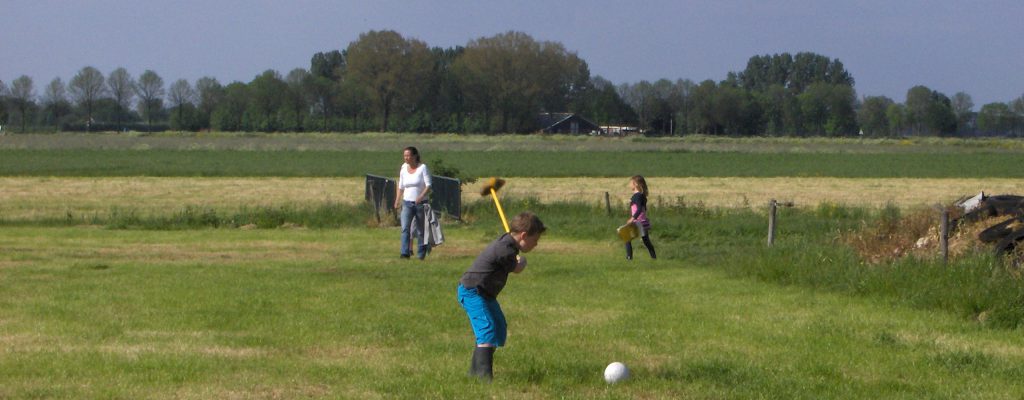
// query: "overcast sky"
[[889, 46]]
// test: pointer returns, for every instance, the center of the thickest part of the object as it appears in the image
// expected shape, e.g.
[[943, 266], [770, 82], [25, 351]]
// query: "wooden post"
[[771, 221], [944, 235], [607, 203]]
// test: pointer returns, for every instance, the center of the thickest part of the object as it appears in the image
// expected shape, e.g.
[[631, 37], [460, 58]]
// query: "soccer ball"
[[616, 372]]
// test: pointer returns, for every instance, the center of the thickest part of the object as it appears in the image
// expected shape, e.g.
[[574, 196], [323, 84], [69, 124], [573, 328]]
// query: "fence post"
[[944, 235], [607, 203], [771, 221]]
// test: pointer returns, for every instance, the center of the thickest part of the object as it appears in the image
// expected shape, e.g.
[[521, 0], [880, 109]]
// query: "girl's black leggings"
[[647, 242]]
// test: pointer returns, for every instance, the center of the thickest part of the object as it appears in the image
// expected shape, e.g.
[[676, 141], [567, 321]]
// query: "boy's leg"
[[483, 363], [483, 355], [489, 327]]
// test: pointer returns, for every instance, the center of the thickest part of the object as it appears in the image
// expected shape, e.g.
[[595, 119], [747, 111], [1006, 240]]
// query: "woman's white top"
[[413, 183]]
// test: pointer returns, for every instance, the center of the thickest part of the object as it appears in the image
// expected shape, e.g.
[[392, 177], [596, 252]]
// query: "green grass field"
[[320, 155], [310, 163], [295, 299], [94, 313]]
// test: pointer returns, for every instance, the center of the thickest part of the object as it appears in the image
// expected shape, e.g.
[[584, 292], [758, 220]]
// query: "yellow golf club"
[[492, 187]]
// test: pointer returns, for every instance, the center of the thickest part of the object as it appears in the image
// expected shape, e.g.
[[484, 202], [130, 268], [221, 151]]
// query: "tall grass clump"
[[977, 286]]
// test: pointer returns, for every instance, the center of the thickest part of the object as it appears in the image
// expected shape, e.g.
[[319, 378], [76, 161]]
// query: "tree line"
[[500, 84]]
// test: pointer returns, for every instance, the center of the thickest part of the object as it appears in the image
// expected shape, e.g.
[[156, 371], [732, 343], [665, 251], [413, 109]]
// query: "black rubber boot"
[[483, 361]]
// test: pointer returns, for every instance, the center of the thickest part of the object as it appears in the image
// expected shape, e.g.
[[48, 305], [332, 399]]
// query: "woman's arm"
[[425, 177]]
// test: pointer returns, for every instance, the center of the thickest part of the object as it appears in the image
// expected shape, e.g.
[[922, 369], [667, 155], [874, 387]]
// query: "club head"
[[492, 183]]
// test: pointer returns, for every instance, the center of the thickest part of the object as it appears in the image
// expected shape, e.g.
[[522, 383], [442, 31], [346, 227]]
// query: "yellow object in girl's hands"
[[628, 232]]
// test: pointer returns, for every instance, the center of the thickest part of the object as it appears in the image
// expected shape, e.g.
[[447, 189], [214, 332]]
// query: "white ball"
[[616, 372]]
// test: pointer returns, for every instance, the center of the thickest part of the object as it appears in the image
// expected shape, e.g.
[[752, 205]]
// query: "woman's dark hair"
[[412, 150]]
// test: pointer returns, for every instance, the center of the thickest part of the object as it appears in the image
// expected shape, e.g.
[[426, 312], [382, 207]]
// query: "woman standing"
[[413, 186]]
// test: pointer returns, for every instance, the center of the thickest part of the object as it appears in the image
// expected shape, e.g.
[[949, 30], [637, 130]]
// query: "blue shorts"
[[485, 315]]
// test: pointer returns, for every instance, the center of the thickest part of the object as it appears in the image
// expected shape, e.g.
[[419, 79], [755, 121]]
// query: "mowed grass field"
[[296, 313], [89, 309], [25, 199]]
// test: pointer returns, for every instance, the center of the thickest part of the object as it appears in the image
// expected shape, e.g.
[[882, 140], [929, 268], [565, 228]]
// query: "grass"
[[531, 143], [295, 313], [573, 163], [142, 287], [64, 200]]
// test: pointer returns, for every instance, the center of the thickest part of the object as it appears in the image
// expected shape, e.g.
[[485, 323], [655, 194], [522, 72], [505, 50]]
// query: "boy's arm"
[[520, 264]]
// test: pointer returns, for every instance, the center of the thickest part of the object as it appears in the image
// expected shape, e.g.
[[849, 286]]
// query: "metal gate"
[[445, 194]]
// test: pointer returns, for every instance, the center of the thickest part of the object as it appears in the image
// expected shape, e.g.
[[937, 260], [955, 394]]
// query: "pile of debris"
[[977, 224], [1007, 234]]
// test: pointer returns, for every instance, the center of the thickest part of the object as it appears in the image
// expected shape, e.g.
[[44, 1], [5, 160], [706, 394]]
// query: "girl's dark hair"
[[412, 150], [527, 222], [641, 182]]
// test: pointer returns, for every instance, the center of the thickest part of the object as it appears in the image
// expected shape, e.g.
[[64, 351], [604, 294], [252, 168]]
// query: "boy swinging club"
[[480, 285]]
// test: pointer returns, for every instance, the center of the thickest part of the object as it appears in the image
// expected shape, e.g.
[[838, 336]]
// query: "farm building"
[[566, 123]]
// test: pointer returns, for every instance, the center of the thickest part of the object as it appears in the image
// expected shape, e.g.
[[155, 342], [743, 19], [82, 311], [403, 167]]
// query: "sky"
[[889, 46]]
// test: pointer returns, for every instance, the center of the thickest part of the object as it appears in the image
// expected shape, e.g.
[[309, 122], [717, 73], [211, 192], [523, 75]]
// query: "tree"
[[121, 87], [1017, 107], [702, 117], [606, 106], [330, 65], [872, 115], [297, 101], [266, 96], [827, 109], [55, 102], [918, 98], [515, 77], [781, 110], [390, 68], [182, 97], [443, 107], [22, 95], [996, 118], [230, 112], [929, 112], [150, 90], [3, 105], [793, 73], [210, 93], [86, 88], [939, 116], [898, 119], [963, 108], [735, 111], [322, 92], [640, 97], [562, 75]]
